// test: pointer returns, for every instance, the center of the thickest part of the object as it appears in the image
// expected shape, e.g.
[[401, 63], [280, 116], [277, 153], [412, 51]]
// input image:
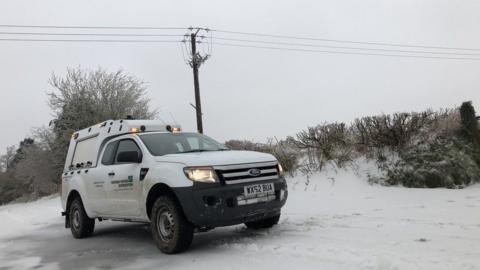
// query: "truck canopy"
[[85, 144]]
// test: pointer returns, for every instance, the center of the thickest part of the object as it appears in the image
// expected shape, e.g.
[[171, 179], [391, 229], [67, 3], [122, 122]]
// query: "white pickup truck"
[[179, 182]]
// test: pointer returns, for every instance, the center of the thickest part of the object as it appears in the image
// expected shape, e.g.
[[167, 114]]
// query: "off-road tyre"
[[172, 232], [263, 223], [80, 224]]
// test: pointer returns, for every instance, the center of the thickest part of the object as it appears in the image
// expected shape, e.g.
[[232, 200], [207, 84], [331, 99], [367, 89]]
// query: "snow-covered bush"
[[284, 151], [11, 188], [435, 162], [437, 155], [418, 149], [30, 174], [374, 134], [326, 143], [391, 131]]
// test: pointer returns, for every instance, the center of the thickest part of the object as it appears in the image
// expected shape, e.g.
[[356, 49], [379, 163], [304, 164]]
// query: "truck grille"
[[244, 173]]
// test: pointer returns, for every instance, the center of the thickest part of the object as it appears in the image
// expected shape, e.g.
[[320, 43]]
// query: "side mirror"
[[129, 157]]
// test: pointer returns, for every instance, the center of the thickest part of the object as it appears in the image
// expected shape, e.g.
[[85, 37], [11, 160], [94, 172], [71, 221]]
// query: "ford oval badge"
[[254, 172]]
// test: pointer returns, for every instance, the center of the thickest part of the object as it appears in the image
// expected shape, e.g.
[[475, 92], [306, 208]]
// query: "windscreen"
[[160, 144]]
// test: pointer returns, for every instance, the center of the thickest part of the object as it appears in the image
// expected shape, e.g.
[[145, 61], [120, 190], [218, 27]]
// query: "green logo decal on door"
[[124, 183]]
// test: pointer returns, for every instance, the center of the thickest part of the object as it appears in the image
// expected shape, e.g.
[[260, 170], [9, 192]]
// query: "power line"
[[342, 52], [92, 40], [343, 41], [92, 27], [218, 38], [90, 34], [238, 42], [223, 31], [340, 47]]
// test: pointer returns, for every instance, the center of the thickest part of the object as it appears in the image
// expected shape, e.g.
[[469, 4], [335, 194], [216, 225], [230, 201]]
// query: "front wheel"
[[172, 232], [263, 223]]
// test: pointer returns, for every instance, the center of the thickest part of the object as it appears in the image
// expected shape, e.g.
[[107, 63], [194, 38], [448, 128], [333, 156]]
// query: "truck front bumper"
[[215, 205]]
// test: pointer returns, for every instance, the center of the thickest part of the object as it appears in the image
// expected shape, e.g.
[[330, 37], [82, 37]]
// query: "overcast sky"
[[250, 93]]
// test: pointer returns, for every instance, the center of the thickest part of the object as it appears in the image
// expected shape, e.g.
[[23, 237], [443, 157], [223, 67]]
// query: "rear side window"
[[109, 153], [127, 146], [85, 151]]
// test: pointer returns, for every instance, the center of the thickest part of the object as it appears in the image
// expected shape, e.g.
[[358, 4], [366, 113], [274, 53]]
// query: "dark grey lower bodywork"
[[215, 205]]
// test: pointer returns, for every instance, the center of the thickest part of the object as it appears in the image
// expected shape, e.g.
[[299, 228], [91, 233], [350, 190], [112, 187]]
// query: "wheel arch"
[[157, 190], [71, 196], [74, 193]]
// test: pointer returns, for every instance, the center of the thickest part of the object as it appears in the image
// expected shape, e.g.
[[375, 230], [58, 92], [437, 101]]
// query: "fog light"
[[210, 200]]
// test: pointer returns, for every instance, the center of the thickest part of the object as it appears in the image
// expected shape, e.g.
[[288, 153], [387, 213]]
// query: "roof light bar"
[[173, 129]]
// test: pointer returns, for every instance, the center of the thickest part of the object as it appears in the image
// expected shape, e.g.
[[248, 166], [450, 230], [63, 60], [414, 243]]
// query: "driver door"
[[123, 185]]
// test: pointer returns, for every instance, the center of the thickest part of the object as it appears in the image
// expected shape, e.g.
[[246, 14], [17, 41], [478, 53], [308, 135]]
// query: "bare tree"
[[391, 131], [326, 142], [36, 171], [7, 158], [85, 97]]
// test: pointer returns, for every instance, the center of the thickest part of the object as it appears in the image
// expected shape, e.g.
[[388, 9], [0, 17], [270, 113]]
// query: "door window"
[[109, 153], [127, 146]]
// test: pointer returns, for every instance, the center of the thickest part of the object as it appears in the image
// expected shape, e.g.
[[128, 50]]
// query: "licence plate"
[[259, 190]]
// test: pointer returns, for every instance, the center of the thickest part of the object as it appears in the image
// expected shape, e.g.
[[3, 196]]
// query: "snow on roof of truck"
[[85, 144]]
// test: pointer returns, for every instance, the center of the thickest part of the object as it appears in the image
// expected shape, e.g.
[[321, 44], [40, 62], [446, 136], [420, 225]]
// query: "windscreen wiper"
[[201, 150], [195, 150]]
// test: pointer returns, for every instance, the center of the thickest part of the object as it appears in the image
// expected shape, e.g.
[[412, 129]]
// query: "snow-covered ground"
[[336, 221]]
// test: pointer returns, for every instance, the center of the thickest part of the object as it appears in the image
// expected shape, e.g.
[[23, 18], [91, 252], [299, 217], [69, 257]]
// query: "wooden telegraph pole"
[[195, 61], [196, 84]]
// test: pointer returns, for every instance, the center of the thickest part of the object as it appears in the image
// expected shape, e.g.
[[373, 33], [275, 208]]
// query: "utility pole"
[[195, 61], [196, 84]]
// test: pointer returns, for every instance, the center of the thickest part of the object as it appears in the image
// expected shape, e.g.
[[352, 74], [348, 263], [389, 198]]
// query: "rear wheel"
[[263, 223], [172, 232], [80, 224]]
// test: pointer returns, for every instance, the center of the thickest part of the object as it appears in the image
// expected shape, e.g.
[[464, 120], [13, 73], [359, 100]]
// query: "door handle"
[[111, 174]]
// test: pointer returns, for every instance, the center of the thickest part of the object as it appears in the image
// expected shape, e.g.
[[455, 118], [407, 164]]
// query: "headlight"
[[201, 174], [280, 169]]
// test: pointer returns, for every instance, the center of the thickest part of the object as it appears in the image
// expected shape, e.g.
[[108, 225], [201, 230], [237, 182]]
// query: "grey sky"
[[250, 93]]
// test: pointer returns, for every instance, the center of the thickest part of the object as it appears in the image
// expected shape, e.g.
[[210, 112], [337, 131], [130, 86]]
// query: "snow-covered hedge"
[[418, 149], [284, 151], [439, 162]]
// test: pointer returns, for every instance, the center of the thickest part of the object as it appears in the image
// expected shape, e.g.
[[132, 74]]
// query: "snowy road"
[[345, 224]]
